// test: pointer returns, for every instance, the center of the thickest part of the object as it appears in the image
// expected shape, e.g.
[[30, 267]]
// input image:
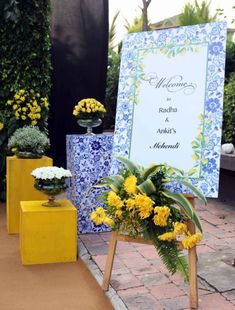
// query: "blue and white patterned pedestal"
[[88, 159]]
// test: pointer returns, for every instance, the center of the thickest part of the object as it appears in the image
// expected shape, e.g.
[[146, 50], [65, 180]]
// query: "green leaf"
[[134, 169], [114, 182], [195, 191], [148, 171], [197, 221], [181, 200], [168, 167], [147, 187]]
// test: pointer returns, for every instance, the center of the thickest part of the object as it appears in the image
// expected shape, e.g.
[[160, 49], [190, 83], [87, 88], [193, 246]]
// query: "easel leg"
[[192, 255], [109, 261]]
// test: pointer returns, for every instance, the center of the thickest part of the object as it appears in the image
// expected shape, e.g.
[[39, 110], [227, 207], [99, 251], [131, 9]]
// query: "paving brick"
[[158, 265], [101, 261], [148, 252], [214, 219], [178, 303], [129, 255], [214, 301], [166, 291], [139, 298], [143, 270], [229, 295], [150, 280], [90, 237], [204, 249], [124, 281], [97, 249], [136, 262], [105, 236], [124, 247], [227, 227]]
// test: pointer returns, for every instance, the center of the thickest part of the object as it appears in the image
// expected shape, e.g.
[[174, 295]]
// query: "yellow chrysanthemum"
[[108, 221], [130, 204], [98, 216], [190, 241], [168, 236], [145, 205], [160, 219], [180, 228], [114, 200], [118, 214], [130, 185], [1, 126]]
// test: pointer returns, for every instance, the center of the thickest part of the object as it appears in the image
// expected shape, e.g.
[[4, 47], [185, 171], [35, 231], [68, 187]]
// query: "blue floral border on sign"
[[173, 41]]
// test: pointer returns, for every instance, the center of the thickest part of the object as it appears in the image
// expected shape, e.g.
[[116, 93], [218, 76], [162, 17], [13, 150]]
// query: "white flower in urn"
[[227, 148], [51, 181], [49, 173]]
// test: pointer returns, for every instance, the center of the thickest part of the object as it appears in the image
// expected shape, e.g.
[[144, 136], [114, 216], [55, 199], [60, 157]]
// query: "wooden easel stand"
[[192, 260]]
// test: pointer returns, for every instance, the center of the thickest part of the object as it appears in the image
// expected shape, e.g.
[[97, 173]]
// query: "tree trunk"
[[145, 15]]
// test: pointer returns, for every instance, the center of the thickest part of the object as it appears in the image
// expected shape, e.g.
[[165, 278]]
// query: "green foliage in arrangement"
[[228, 135], [25, 61]]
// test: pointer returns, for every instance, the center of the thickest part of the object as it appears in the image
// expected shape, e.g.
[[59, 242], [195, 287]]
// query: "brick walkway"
[[142, 281]]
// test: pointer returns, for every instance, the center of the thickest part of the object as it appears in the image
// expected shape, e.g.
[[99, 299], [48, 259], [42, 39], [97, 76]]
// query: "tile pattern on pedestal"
[[88, 159]]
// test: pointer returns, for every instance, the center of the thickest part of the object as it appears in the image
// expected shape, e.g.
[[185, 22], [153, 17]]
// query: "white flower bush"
[[50, 173]]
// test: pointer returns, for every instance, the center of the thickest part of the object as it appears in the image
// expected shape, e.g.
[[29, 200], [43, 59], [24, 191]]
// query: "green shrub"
[[29, 138], [25, 61], [228, 133]]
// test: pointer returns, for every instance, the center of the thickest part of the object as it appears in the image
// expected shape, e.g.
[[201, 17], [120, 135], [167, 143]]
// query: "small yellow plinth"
[[48, 234], [20, 186]]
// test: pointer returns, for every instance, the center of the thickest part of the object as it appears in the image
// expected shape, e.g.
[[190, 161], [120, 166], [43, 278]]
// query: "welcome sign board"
[[170, 101]]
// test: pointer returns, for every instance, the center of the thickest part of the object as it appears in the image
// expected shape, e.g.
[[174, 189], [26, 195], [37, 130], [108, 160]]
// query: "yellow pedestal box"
[[20, 186], [48, 234]]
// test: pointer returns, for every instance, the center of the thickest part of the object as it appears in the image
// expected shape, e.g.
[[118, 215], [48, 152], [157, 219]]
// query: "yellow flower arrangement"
[[28, 106], [140, 204], [89, 108]]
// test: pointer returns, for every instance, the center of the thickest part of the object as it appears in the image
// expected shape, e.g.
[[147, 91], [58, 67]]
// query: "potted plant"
[[139, 202], [89, 113], [51, 181], [28, 142]]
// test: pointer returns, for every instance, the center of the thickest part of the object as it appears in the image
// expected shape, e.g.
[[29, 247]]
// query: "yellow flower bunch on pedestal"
[[89, 108]]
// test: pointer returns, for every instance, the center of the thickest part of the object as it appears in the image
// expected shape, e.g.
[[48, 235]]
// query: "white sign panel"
[[170, 101]]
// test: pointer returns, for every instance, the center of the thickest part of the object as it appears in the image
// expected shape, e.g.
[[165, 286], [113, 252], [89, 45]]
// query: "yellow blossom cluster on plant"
[[89, 106], [114, 200], [181, 229], [99, 217], [168, 236], [28, 106], [1, 126], [161, 217], [130, 185], [191, 240], [145, 205]]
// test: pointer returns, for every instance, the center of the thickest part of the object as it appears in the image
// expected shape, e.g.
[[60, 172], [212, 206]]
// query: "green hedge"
[[25, 59], [228, 135]]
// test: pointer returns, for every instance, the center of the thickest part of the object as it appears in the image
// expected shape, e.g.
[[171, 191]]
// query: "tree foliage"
[[194, 14]]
